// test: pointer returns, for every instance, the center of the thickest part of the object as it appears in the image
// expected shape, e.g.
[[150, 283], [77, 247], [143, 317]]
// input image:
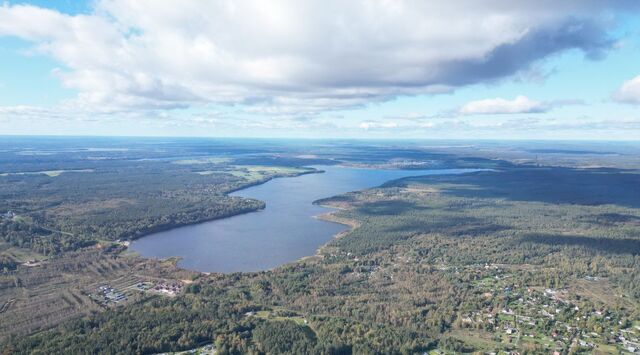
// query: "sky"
[[475, 69]]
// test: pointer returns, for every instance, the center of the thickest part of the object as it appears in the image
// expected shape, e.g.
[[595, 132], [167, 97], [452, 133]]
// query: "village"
[[515, 315], [557, 320]]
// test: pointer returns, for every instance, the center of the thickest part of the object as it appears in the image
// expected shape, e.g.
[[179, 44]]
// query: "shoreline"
[[159, 229], [332, 218], [329, 216], [260, 182], [313, 170]]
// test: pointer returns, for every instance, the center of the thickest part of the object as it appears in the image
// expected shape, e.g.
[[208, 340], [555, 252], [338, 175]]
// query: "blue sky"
[[403, 69]]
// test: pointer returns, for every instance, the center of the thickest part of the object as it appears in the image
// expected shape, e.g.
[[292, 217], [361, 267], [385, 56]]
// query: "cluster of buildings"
[[630, 339], [32, 262], [165, 288], [143, 286], [110, 295], [9, 215], [169, 289], [208, 349], [550, 317]]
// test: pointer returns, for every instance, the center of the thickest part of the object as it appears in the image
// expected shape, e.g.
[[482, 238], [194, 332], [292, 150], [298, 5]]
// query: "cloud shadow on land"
[[610, 245], [556, 185]]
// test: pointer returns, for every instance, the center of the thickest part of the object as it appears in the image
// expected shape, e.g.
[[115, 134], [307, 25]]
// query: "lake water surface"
[[283, 232]]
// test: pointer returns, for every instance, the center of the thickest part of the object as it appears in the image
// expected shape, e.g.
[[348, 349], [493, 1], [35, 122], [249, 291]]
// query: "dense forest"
[[71, 210], [522, 257]]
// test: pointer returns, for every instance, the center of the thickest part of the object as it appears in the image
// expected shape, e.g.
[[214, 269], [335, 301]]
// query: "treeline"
[[7, 263], [50, 235], [629, 281], [499, 230], [116, 200], [46, 242], [133, 221], [163, 325]]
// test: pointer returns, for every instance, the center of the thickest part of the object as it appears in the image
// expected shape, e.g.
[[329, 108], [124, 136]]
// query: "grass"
[[206, 160], [605, 349], [20, 255], [50, 173], [19, 218], [272, 315], [259, 172], [538, 338], [601, 290], [478, 339], [60, 290], [254, 173]]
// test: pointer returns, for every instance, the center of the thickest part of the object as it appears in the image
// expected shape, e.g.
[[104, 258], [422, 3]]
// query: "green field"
[[206, 160], [50, 173], [258, 173], [281, 314], [20, 255]]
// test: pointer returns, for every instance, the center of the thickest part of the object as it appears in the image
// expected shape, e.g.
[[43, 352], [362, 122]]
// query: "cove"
[[283, 232]]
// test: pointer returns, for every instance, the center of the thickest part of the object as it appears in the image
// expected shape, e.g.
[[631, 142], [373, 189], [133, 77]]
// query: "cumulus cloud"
[[520, 104], [299, 57], [629, 92]]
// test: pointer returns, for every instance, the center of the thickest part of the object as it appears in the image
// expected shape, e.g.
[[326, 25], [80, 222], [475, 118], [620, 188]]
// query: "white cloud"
[[629, 92], [501, 127], [367, 125], [298, 57], [520, 104]]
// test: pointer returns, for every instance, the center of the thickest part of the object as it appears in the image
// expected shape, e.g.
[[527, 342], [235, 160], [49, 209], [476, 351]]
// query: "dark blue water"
[[283, 232]]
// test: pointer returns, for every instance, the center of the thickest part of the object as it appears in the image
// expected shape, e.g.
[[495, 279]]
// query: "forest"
[[122, 199], [522, 257]]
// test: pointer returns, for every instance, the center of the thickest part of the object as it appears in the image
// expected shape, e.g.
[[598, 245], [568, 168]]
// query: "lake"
[[284, 231]]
